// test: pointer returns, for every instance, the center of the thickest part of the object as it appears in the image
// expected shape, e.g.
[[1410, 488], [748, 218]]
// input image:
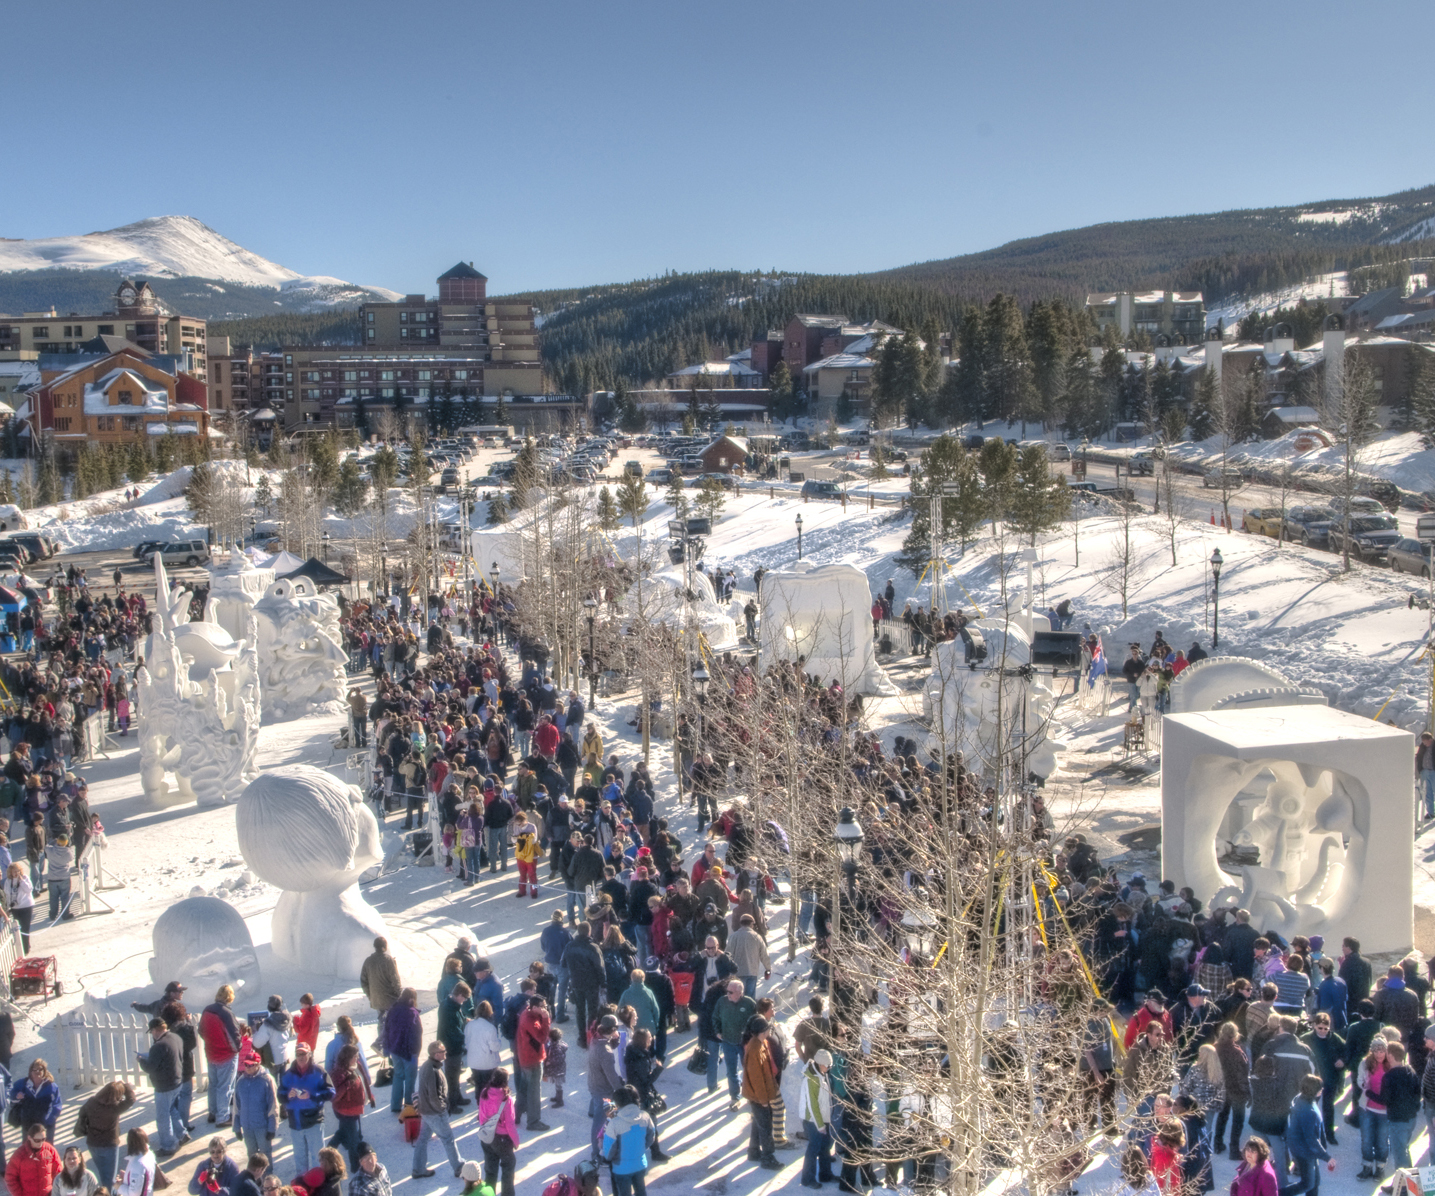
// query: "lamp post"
[[700, 687], [799, 537], [1216, 564], [325, 540], [591, 607], [848, 836], [919, 928]]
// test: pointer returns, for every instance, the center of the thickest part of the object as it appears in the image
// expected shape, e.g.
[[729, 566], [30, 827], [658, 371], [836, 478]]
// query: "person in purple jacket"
[[403, 1039]]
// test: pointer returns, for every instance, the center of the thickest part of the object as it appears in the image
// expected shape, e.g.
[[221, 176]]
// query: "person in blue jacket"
[[627, 1139], [489, 988], [38, 1096], [1305, 1138], [217, 1175], [303, 1089], [256, 1116]]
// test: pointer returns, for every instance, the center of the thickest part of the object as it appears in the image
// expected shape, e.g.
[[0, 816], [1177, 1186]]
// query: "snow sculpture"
[[202, 942], [1225, 682], [821, 615], [306, 832], [663, 603], [233, 593], [301, 657], [1318, 797], [978, 708], [199, 704]]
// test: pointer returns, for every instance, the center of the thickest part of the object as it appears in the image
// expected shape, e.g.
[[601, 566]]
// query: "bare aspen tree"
[[1350, 413]]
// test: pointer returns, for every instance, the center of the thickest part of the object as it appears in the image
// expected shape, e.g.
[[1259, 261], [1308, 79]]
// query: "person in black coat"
[[662, 989], [1239, 944], [585, 977], [1355, 971]]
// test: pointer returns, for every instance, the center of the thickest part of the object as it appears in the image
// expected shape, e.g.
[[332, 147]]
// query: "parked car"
[[813, 488], [1387, 493], [1141, 464], [1058, 451], [692, 466], [633, 467], [1359, 505], [725, 480], [1308, 525], [1261, 521], [180, 552], [974, 442], [660, 477], [1371, 536], [39, 547], [1229, 479], [1411, 556]]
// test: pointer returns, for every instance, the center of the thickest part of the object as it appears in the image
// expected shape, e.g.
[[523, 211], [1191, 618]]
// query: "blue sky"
[[562, 144]]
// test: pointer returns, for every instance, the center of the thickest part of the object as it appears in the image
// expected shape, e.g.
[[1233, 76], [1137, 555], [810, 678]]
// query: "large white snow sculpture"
[[301, 656], [233, 593], [822, 615], [306, 832], [993, 709], [202, 942], [199, 706], [1322, 795], [1227, 682]]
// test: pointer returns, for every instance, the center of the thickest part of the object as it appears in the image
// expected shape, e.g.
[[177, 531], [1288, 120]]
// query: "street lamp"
[[325, 539], [591, 607], [493, 574], [848, 836], [1216, 564], [799, 537], [919, 928], [700, 687]]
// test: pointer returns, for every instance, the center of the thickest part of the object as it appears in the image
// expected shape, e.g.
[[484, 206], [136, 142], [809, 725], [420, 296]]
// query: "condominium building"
[[137, 319], [1176, 313]]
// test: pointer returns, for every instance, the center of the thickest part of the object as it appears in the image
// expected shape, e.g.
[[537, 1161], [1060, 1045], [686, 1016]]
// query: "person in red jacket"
[[222, 1038], [530, 1047], [33, 1168], [545, 738], [1153, 1010], [306, 1022]]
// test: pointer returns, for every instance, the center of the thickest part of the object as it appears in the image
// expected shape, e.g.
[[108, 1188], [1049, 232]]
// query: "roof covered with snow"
[[840, 361], [1296, 415], [728, 368], [154, 399]]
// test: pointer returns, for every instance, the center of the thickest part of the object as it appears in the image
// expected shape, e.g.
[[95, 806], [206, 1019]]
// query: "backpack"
[[564, 1185], [488, 1127]]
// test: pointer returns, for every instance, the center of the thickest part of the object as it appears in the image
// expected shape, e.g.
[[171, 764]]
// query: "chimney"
[[1333, 344], [1280, 339], [1215, 346]]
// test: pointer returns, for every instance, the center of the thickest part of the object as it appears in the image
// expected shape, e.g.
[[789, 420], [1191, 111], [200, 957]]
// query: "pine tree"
[[945, 461], [263, 496], [500, 412], [997, 462], [970, 375], [1009, 393], [7, 488], [1204, 405], [1422, 397], [780, 384], [1050, 350], [49, 487], [607, 510], [351, 491], [633, 498], [677, 497], [497, 509], [711, 497], [1039, 499]]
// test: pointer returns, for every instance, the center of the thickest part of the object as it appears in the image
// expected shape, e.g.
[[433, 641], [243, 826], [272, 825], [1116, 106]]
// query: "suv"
[[1308, 525], [812, 488], [180, 552], [660, 476], [1141, 463], [1371, 536], [39, 547], [633, 467]]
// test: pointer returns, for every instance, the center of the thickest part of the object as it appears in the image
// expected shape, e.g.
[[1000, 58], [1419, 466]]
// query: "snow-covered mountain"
[[164, 247]]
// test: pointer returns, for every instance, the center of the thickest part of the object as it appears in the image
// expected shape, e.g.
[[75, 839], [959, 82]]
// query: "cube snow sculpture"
[[822, 615], [1326, 800]]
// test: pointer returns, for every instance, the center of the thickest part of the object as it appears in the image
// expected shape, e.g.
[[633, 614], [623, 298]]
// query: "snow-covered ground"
[[1352, 635]]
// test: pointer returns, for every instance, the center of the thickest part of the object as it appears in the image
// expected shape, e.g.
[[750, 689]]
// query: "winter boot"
[[523, 890]]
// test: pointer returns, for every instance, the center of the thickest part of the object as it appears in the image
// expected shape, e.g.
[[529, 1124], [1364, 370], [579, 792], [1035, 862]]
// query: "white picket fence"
[[95, 1048], [10, 951]]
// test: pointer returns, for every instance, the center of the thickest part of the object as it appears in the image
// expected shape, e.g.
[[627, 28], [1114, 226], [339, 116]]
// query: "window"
[[106, 423], [420, 317], [460, 375], [62, 424], [311, 394], [353, 375], [219, 371], [130, 423], [288, 359], [403, 334], [386, 375], [424, 375], [311, 375], [371, 320], [371, 334], [288, 375], [387, 392], [219, 398], [403, 317], [127, 397], [40, 333]]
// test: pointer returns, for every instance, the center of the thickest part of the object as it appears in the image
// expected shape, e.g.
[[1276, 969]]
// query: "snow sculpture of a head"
[[301, 656], [202, 942], [308, 833]]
